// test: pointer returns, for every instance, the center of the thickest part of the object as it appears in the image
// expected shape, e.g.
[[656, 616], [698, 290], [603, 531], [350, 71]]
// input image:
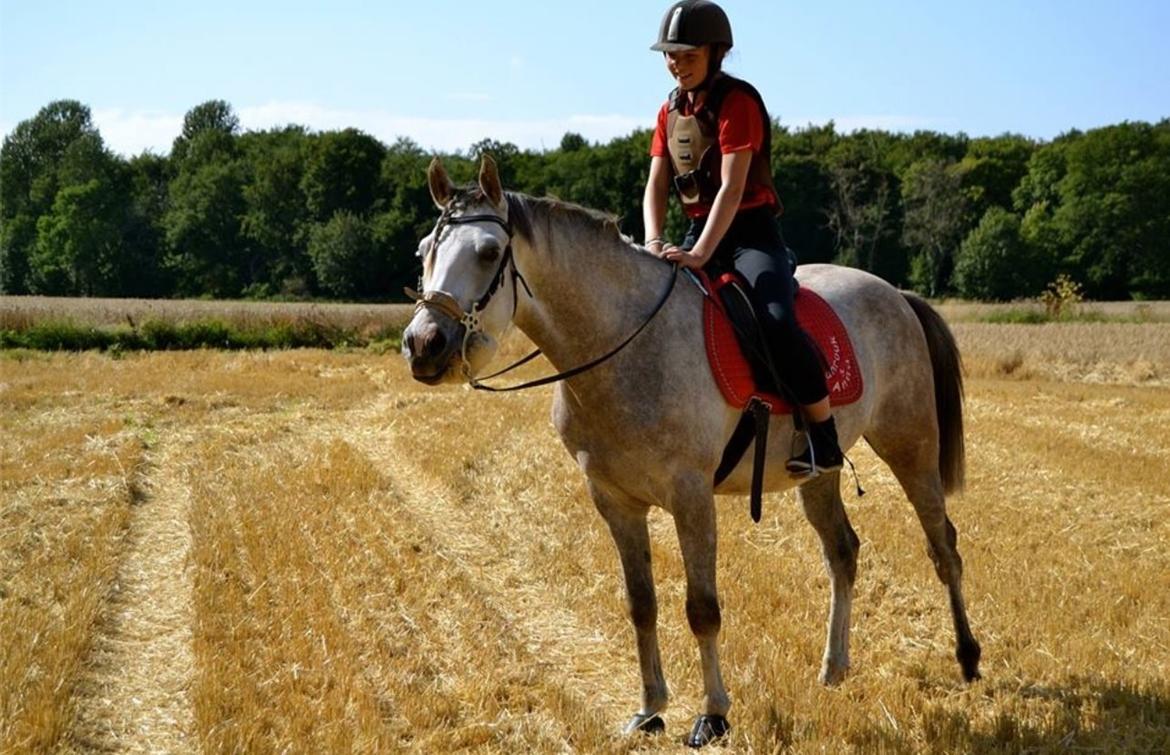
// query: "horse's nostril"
[[437, 342]]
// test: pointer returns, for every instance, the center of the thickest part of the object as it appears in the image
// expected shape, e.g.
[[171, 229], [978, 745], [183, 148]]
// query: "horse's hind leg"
[[821, 500], [924, 488], [627, 523]]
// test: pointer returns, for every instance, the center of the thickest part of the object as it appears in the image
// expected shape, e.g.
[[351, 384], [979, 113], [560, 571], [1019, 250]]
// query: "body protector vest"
[[693, 143]]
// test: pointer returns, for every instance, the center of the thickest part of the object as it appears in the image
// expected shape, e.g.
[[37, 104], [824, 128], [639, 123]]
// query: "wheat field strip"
[[69, 483]]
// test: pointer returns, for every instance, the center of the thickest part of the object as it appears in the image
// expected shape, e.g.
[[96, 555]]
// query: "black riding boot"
[[824, 453]]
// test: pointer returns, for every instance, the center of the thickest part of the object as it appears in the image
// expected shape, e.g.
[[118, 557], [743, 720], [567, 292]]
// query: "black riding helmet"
[[692, 23]]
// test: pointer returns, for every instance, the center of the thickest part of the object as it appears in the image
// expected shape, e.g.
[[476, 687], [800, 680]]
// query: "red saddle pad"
[[730, 367]]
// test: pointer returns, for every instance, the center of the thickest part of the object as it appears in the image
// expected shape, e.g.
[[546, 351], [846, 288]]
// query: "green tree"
[[144, 237], [571, 142], [801, 174], [996, 263], [274, 227], [30, 161], [865, 212], [347, 261], [205, 205], [216, 126], [202, 226], [343, 173], [79, 243], [1100, 203], [992, 169], [935, 222]]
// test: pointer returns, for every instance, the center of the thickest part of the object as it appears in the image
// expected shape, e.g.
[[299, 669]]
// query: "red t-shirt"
[[741, 126]]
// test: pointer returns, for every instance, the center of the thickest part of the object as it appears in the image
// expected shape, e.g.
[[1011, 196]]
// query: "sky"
[[449, 73]]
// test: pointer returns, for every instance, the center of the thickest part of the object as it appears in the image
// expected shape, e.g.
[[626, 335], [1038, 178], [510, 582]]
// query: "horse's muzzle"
[[429, 351]]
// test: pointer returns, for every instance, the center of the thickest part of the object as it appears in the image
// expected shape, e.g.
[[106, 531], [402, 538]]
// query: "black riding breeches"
[[754, 247]]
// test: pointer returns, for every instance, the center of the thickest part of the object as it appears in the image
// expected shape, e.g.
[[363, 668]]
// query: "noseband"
[[448, 304]]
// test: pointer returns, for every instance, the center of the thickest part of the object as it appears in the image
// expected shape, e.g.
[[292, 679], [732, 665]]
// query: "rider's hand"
[[684, 258], [656, 247]]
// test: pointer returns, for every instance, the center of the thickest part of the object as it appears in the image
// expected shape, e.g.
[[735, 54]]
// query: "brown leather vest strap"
[[696, 159], [690, 147]]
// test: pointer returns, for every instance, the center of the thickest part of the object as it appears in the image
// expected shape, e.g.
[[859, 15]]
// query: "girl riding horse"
[[713, 138]]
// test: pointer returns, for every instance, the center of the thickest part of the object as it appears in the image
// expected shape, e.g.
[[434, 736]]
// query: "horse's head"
[[466, 264]]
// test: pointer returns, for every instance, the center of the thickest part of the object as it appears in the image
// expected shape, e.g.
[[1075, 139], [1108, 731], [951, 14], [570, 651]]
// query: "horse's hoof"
[[707, 729], [833, 674], [968, 655], [645, 723]]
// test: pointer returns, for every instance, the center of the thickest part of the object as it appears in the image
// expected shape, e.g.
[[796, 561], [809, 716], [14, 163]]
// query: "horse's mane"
[[525, 211]]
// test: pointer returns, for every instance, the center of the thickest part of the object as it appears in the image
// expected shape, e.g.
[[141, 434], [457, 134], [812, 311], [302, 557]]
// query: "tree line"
[[292, 213]]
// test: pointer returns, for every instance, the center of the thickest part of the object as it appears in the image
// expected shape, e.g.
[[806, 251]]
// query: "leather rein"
[[471, 319]]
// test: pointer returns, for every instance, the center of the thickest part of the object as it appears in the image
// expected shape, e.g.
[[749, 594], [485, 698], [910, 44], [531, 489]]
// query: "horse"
[[647, 424]]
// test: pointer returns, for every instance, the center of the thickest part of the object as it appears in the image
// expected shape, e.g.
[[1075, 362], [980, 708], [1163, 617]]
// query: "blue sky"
[[447, 73]]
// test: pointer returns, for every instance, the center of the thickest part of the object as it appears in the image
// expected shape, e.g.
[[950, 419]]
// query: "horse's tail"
[[948, 392]]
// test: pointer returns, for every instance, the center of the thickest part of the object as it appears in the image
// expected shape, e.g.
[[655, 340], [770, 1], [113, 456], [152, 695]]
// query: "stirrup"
[[805, 464]]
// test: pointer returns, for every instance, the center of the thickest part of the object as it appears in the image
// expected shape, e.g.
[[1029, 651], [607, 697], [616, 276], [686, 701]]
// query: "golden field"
[[305, 551], [19, 312]]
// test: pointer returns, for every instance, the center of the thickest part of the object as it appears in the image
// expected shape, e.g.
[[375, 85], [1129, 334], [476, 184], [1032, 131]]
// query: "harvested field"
[[18, 312], [1119, 353], [1135, 311], [305, 551]]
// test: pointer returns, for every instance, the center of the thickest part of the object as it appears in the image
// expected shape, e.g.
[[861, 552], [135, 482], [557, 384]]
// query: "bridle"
[[444, 302], [472, 322]]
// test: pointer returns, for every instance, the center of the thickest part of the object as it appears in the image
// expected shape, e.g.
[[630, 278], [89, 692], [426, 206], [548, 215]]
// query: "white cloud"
[[130, 133]]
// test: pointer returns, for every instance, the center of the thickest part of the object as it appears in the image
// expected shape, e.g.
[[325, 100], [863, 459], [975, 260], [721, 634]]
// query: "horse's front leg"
[[627, 523], [694, 518]]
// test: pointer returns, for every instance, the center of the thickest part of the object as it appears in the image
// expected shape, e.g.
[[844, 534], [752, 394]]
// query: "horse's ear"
[[489, 181], [441, 187]]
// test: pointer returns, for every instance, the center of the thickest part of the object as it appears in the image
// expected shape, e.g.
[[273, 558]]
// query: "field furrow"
[[133, 694]]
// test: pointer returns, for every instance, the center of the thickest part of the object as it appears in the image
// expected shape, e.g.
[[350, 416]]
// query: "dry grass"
[[379, 567], [68, 483], [958, 310], [20, 312], [1119, 353]]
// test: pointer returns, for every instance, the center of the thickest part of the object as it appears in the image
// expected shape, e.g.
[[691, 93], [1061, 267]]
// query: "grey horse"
[[648, 426]]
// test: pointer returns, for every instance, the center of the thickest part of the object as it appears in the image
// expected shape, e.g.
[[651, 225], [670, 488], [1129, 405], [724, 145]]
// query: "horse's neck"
[[589, 291]]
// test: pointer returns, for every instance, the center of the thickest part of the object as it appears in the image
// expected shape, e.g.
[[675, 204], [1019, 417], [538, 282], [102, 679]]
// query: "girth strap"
[[752, 426]]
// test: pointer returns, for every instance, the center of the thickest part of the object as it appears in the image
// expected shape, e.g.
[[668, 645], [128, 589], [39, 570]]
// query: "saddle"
[[739, 356]]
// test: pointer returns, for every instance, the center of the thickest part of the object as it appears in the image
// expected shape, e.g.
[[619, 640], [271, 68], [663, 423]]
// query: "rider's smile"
[[689, 67]]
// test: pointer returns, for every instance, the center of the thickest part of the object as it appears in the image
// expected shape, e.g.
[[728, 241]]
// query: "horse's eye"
[[489, 253]]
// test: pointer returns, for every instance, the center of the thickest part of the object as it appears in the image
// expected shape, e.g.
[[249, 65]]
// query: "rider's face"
[[689, 67]]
